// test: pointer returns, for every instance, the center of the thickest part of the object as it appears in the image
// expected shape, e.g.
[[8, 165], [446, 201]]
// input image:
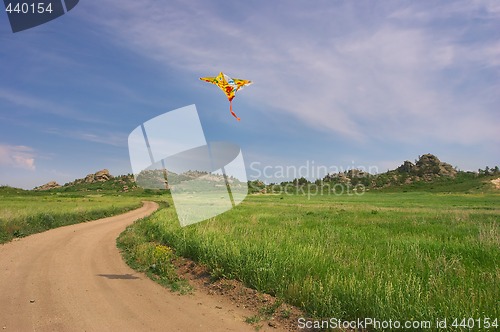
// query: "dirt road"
[[74, 279]]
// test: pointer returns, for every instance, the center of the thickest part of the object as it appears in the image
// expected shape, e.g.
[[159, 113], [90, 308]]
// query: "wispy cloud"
[[17, 156], [392, 74], [31, 103], [112, 138]]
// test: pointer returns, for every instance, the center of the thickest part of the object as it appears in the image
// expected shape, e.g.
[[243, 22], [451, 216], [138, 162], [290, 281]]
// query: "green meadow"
[[390, 256], [26, 212], [383, 255]]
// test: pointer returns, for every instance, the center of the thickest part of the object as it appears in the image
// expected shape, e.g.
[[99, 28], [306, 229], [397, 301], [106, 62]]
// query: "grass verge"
[[154, 259]]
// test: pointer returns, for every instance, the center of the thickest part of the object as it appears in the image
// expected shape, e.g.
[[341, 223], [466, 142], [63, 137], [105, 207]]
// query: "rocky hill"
[[148, 179], [98, 181], [427, 168], [155, 179], [426, 173], [100, 176], [48, 186]]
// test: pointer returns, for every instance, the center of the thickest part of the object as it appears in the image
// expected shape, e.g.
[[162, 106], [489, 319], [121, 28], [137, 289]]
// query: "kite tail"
[[231, 110]]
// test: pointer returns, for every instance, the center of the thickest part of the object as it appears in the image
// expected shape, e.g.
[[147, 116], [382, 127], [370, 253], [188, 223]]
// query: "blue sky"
[[336, 83]]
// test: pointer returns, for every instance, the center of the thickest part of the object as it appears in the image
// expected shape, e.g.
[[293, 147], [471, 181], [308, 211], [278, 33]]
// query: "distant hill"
[[428, 173], [98, 181], [103, 181], [8, 190]]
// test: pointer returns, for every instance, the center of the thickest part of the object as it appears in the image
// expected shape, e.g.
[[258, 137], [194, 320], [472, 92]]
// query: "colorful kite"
[[229, 86]]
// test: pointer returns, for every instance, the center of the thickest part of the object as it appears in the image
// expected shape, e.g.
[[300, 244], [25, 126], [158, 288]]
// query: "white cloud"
[[395, 74], [17, 156]]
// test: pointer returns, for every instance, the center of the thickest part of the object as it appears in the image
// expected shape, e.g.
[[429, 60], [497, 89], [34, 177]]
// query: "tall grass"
[[387, 256], [33, 213]]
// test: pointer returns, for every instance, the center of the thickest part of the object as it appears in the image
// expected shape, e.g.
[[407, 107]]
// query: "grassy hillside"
[[467, 183]]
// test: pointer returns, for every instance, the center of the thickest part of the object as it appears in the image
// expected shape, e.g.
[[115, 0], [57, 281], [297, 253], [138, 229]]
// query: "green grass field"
[[399, 256], [384, 255], [23, 212]]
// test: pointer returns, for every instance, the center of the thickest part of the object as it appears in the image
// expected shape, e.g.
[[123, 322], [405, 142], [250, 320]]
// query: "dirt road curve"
[[74, 279]]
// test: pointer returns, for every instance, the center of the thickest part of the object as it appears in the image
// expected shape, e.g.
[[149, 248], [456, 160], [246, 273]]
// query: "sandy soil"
[[73, 279], [496, 183]]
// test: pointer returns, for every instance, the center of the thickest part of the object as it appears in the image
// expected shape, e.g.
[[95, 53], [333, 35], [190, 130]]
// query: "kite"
[[229, 86]]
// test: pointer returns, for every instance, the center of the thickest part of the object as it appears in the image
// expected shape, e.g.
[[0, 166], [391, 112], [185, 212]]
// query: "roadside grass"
[[23, 212], [391, 256], [154, 259]]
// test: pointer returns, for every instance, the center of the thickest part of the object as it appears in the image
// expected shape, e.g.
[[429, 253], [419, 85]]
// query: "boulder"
[[427, 167], [100, 176], [48, 186], [407, 167]]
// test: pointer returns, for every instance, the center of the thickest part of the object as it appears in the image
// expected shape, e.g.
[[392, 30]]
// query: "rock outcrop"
[[428, 167], [100, 176], [48, 186]]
